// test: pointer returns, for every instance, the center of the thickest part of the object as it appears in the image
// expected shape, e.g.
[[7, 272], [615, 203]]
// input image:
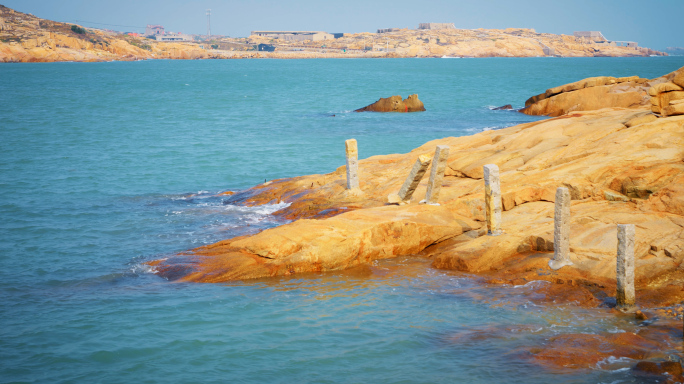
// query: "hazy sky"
[[654, 23]]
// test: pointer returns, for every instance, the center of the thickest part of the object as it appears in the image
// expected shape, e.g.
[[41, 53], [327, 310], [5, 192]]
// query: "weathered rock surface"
[[667, 99], [587, 350], [615, 174], [340, 242], [607, 92], [395, 104], [590, 94]]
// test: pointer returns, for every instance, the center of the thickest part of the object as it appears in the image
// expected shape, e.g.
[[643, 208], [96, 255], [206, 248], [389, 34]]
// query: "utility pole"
[[209, 22]]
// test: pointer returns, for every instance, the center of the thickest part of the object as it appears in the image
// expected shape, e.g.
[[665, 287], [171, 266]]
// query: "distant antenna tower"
[[208, 22]]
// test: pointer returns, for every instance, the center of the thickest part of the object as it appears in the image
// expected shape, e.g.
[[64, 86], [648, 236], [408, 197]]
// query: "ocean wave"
[[609, 361]]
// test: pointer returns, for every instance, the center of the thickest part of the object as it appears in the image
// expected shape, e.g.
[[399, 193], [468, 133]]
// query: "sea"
[[105, 166]]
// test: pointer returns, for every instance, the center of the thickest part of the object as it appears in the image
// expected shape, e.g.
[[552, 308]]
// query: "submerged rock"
[[506, 107], [586, 351], [395, 104]]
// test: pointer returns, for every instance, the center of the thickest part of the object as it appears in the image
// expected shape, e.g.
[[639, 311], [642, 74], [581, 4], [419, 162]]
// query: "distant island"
[[27, 38], [675, 51]]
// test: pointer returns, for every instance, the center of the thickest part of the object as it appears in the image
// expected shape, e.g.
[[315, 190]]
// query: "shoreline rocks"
[[619, 166]]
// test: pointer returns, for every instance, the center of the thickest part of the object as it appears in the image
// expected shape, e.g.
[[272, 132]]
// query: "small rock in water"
[[640, 315], [395, 104], [503, 108], [648, 367], [672, 367]]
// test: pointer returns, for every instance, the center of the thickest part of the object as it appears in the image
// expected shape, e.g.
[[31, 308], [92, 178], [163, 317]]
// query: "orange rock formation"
[[395, 104], [620, 167]]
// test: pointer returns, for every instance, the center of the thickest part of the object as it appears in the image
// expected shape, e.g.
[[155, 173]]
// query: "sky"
[[655, 24]]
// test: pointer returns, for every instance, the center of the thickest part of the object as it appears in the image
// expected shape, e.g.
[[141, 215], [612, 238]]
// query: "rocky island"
[[27, 38]]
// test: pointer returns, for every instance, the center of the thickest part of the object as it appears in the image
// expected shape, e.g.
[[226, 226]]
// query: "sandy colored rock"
[[586, 99], [675, 108], [395, 104], [340, 242], [663, 87], [605, 92], [679, 78], [643, 119]]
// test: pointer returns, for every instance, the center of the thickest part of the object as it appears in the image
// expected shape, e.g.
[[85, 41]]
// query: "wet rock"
[[585, 351], [395, 104], [674, 368], [648, 367], [640, 315], [506, 107], [671, 371]]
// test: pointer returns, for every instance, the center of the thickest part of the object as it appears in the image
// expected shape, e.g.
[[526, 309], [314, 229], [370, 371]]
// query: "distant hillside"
[[26, 38], [676, 51]]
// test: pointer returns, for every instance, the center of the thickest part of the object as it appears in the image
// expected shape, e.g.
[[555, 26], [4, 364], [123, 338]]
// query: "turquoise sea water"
[[106, 165]]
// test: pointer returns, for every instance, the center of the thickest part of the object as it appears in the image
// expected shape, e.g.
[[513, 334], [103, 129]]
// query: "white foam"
[[532, 284], [144, 269], [610, 360], [263, 210]]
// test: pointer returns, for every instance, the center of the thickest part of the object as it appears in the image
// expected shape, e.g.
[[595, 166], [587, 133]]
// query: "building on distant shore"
[[436, 26], [387, 30], [154, 30], [173, 37], [590, 35], [295, 35], [597, 37]]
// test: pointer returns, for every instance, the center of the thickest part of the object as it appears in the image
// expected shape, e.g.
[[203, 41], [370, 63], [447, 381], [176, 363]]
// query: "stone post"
[[625, 266], [492, 199], [412, 181], [439, 163], [561, 230], [352, 164]]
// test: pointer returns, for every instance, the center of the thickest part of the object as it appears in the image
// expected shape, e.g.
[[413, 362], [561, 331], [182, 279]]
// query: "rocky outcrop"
[[395, 104], [663, 94], [26, 38], [340, 242], [588, 95], [620, 165], [667, 99]]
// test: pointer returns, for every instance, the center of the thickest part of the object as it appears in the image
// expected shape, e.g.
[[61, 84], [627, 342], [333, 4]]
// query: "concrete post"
[[439, 163], [352, 164], [492, 199], [412, 181], [625, 266], [561, 230]]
